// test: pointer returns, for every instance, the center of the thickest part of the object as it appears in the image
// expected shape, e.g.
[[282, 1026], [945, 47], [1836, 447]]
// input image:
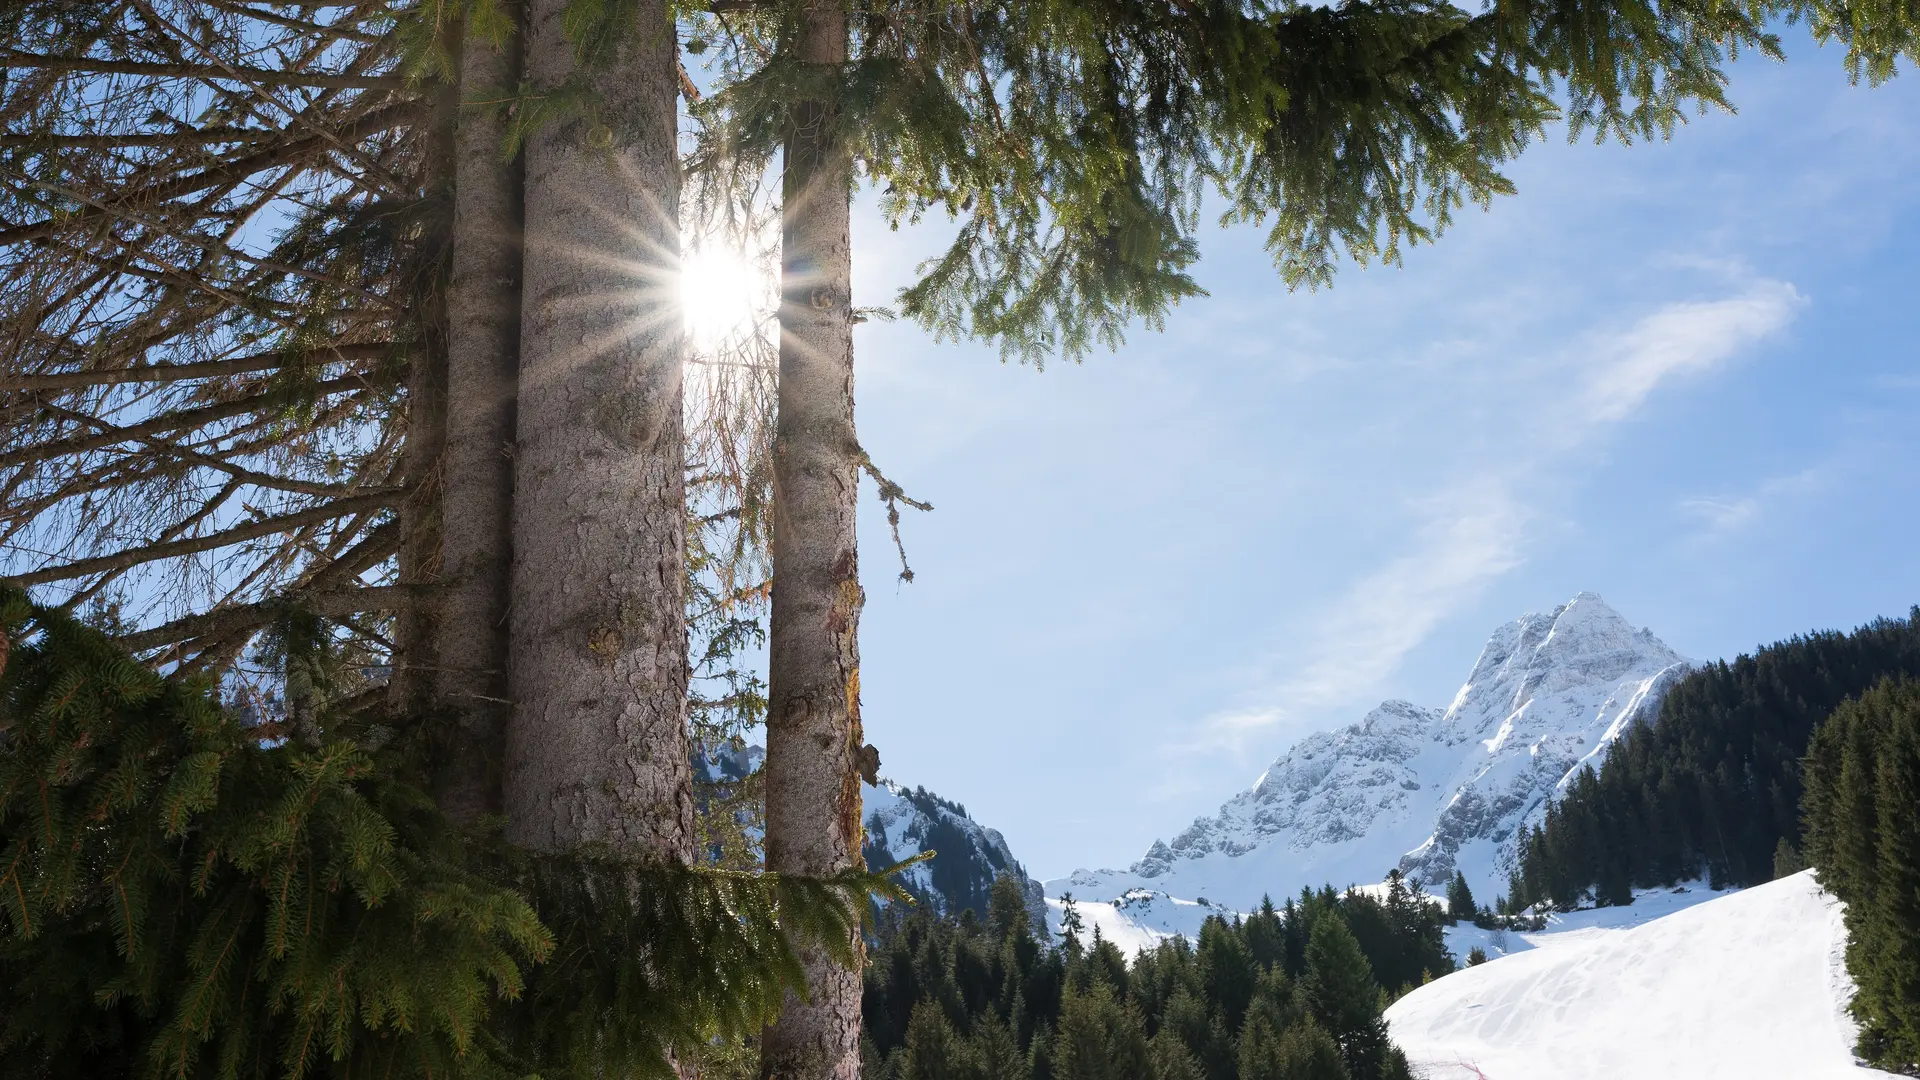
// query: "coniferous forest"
[[1862, 778], [1286, 993], [1713, 786]]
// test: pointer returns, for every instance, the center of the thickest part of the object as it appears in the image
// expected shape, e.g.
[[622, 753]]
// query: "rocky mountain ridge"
[[1426, 790], [902, 822]]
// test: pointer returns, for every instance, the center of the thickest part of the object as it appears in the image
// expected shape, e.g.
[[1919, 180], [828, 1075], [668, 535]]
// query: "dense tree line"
[[1713, 785], [1293, 992], [1862, 777]]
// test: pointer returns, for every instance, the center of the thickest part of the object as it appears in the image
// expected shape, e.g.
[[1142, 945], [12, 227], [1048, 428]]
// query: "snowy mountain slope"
[[902, 823], [1427, 790], [1747, 985], [1140, 919], [967, 856]]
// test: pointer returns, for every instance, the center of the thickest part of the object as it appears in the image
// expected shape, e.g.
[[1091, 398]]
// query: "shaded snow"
[[1137, 920], [1648, 905], [1690, 984]]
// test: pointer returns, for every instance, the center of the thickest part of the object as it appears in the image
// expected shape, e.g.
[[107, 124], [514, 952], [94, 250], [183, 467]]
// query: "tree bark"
[[410, 684], [597, 741], [483, 356], [814, 740]]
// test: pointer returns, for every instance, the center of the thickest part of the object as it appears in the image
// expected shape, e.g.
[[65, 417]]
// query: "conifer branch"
[[162, 139], [199, 369], [243, 618], [240, 534], [173, 421], [13, 58], [239, 169]]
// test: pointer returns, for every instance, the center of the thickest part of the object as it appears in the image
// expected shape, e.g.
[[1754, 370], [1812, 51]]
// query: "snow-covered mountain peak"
[[1427, 790]]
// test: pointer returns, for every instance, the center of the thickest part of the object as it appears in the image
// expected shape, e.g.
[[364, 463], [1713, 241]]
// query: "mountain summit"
[[1426, 790]]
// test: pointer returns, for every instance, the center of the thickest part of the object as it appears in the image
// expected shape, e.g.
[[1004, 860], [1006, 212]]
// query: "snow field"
[[1745, 985]]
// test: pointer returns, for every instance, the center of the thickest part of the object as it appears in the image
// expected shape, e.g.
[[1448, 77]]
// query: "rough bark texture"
[[409, 687], [597, 741], [483, 355], [814, 741]]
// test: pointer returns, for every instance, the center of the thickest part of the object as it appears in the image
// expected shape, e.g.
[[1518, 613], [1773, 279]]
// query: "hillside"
[[1713, 784], [1745, 985], [903, 822], [1427, 790]]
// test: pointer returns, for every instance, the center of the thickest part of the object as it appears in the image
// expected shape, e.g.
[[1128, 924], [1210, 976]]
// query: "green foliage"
[[1460, 899], [1476, 956], [1342, 997], [1288, 988], [1307, 1053], [1863, 836], [1071, 144], [1101, 1037], [1787, 859], [1713, 785], [182, 895]]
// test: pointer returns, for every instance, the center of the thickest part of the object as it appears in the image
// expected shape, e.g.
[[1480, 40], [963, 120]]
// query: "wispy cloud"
[[1476, 530], [1724, 515], [1471, 538], [1683, 339]]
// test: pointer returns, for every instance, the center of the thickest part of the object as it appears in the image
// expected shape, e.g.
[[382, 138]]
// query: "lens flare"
[[722, 294]]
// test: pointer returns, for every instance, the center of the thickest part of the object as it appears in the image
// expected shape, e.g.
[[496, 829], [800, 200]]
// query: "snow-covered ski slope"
[[1747, 985]]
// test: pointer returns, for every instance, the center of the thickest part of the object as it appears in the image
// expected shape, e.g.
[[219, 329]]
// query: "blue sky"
[[1679, 374]]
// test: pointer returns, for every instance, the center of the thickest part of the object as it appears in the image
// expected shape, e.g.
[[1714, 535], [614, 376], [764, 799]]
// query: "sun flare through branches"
[[724, 295]]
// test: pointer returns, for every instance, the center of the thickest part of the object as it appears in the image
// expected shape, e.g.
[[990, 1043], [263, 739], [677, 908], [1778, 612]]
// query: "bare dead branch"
[[203, 369], [242, 618], [252, 530], [264, 76]]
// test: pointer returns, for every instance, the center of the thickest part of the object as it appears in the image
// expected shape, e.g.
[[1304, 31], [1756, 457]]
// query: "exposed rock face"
[[967, 856], [1427, 790], [1549, 694], [901, 823]]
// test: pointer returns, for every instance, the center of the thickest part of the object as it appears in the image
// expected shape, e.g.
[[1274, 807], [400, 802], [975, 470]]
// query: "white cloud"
[[1724, 515], [1683, 339], [1475, 532], [1467, 543], [1471, 537]]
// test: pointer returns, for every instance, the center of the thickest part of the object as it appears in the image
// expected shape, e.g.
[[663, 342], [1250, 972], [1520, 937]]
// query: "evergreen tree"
[[1170, 1058], [1071, 924], [1227, 972], [1787, 860], [996, 1051], [1459, 898], [1260, 1055], [1863, 782], [1307, 1052], [1101, 1037], [932, 1051], [190, 894], [1343, 998]]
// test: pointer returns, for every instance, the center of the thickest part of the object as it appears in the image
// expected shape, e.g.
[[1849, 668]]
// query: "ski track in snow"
[[1687, 984]]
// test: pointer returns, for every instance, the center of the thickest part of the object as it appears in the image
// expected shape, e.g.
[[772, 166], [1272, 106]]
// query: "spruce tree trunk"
[[410, 678], [597, 741], [483, 336], [814, 740]]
